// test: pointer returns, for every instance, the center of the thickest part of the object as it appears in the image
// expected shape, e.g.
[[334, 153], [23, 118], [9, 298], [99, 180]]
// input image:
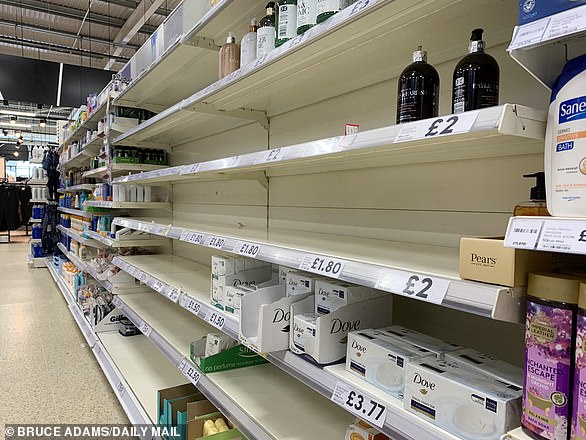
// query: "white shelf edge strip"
[[469, 296], [78, 212]]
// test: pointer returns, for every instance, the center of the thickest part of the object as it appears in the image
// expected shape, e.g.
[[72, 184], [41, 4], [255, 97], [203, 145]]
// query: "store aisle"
[[48, 374]]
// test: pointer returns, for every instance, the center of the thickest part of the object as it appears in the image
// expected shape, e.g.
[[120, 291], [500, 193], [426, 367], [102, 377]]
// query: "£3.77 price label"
[[360, 403], [330, 267], [216, 319], [417, 286], [432, 128]]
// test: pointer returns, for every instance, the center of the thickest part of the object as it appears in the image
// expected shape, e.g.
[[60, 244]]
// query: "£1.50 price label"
[[189, 371], [432, 128], [422, 287], [191, 304], [330, 267], [247, 249], [360, 403], [216, 319]]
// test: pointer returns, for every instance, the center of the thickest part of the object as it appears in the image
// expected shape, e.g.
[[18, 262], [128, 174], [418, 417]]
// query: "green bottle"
[[306, 15], [286, 21], [327, 8]]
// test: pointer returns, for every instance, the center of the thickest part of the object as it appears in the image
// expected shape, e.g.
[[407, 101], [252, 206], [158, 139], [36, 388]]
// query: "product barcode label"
[[523, 233], [529, 34]]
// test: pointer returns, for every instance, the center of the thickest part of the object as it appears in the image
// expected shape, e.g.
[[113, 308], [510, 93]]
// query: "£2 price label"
[[422, 287], [359, 403], [438, 127], [330, 267], [247, 249], [216, 319]]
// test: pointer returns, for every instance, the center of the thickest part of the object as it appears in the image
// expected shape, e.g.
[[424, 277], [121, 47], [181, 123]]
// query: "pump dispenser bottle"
[[418, 92], [476, 78], [537, 206], [265, 34], [229, 56], [248, 45]]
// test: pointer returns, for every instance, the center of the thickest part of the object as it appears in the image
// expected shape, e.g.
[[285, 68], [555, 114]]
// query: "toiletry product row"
[[475, 84], [284, 20], [75, 177], [73, 201], [37, 152], [38, 211], [137, 155], [39, 193], [125, 193], [38, 173]]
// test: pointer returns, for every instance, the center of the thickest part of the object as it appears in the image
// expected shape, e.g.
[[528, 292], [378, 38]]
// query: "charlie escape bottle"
[[286, 20], [265, 34], [418, 92], [476, 78]]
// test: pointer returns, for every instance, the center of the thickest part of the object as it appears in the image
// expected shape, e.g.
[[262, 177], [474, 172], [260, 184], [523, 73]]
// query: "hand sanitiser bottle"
[[565, 142], [476, 78], [418, 92], [229, 56], [265, 34], [537, 205], [248, 45], [286, 20]]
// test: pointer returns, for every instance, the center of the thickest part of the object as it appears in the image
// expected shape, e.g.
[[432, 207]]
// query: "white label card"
[[433, 128], [360, 404], [192, 237], [528, 34], [158, 286], [216, 319], [172, 293], [145, 329], [417, 286], [190, 169], [193, 305], [247, 249], [216, 242], [523, 233], [270, 156], [189, 371], [330, 267], [116, 301], [563, 236], [120, 388]]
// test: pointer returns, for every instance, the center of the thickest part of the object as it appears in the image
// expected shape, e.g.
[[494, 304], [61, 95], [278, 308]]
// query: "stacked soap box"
[[238, 272], [467, 393]]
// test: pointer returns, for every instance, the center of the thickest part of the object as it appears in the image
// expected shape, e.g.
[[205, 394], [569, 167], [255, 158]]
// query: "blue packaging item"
[[37, 250], [37, 231], [531, 10]]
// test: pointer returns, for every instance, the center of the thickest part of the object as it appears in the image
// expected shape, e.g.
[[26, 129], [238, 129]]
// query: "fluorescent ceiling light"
[[3, 124], [17, 113]]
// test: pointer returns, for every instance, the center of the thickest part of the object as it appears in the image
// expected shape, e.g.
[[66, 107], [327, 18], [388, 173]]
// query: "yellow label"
[[540, 417], [542, 330]]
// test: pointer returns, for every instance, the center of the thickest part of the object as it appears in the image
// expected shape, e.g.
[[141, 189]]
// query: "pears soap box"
[[380, 361], [461, 400]]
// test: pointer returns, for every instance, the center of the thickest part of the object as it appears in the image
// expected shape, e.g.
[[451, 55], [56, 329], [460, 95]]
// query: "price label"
[[216, 242], [330, 267], [563, 236], [529, 34], [116, 301], [158, 286], [142, 276], [145, 329], [190, 169], [433, 128], [158, 230], [192, 237], [360, 403], [192, 305], [247, 249], [98, 350], [172, 293], [232, 162], [175, 233], [270, 156], [189, 371], [216, 319], [417, 286], [120, 388], [523, 234]]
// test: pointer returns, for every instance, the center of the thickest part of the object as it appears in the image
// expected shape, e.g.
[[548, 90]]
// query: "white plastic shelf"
[[36, 161], [353, 43], [63, 288], [507, 130], [97, 173], [36, 262], [79, 236], [127, 205], [119, 169], [382, 264], [77, 188], [132, 242], [179, 280], [246, 396], [163, 83], [35, 220], [37, 182], [77, 212], [39, 201], [91, 122], [542, 47], [87, 268], [551, 234]]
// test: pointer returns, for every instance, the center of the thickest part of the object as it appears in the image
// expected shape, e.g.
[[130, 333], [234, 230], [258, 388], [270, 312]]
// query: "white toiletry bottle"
[[266, 34], [248, 45]]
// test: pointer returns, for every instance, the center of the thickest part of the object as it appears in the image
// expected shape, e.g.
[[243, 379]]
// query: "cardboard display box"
[[235, 357]]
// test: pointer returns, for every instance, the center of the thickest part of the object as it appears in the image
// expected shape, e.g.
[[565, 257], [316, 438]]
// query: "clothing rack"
[[5, 182]]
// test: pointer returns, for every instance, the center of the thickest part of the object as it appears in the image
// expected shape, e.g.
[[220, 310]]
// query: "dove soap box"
[[331, 295], [461, 400], [412, 337], [380, 361], [487, 364], [299, 283], [304, 331]]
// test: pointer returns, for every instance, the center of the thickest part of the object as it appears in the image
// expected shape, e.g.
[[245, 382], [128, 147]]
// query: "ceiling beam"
[[143, 12], [73, 13], [52, 31], [132, 4]]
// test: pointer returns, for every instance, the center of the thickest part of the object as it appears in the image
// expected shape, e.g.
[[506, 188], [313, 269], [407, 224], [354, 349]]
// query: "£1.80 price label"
[[247, 249], [216, 242], [359, 403], [216, 319], [192, 237], [330, 267], [417, 286]]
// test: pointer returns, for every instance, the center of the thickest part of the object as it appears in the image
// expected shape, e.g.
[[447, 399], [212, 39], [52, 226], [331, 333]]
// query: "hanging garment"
[[9, 208], [25, 194], [50, 232], [50, 163]]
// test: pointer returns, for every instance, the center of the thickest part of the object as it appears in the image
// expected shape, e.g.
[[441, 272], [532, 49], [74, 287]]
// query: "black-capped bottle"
[[418, 92], [476, 78], [265, 33]]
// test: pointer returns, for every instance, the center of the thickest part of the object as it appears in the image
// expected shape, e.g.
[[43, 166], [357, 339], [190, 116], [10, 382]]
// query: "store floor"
[[48, 373]]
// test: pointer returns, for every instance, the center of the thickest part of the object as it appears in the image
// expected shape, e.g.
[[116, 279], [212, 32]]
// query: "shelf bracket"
[[202, 42], [239, 113], [259, 176]]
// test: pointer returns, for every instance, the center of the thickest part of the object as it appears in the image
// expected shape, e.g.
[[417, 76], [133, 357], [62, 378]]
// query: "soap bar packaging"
[[234, 294], [531, 10], [299, 283], [412, 337], [304, 331], [331, 295], [218, 342], [464, 402], [486, 364], [283, 271], [360, 430], [248, 277], [380, 361]]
